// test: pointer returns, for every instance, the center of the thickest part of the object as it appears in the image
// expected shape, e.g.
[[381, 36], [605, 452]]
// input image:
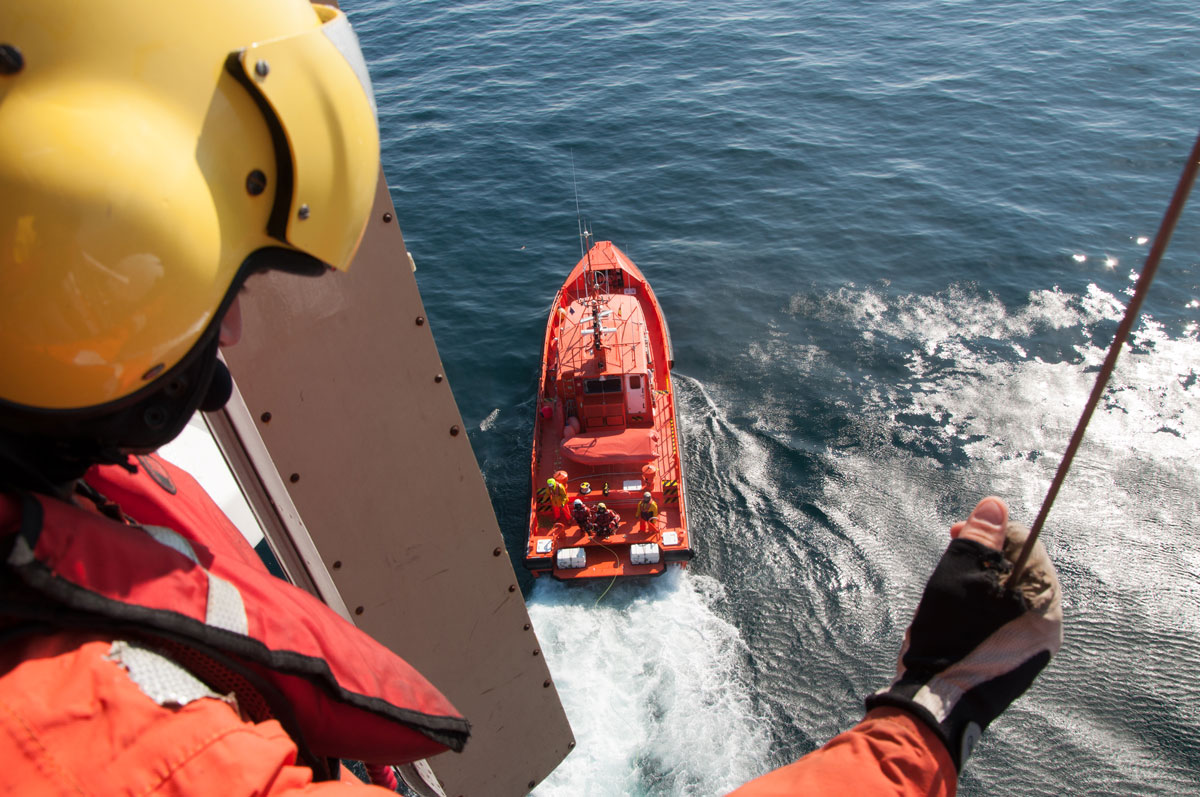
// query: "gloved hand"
[[974, 646]]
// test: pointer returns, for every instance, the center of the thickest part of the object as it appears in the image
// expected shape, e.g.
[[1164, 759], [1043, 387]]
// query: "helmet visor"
[[315, 93]]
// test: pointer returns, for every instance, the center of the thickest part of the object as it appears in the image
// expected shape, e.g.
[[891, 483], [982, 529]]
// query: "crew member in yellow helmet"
[[153, 156]]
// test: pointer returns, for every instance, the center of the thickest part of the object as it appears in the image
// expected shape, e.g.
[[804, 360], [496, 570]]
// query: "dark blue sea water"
[[893, 240]]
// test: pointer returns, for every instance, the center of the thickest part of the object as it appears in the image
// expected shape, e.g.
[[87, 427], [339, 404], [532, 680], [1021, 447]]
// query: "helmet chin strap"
[[43, 464]]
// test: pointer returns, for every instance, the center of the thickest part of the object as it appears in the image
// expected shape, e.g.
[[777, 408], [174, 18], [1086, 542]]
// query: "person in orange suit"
[[975, 644], [558, 500], [155, 157], [583, 516], [646, 511], [606, 521]]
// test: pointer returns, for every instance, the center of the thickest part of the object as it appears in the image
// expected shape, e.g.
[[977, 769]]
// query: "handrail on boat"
[[609, 476]]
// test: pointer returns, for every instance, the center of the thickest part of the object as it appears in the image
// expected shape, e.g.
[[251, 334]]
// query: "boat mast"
[[593, 290], [585, 251], [578, 215]]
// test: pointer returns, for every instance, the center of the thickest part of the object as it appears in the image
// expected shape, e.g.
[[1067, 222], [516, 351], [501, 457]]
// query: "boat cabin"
[[604, 376], [605, 380]]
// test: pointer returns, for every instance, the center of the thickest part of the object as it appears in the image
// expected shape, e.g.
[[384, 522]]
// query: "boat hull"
[[605, 427]]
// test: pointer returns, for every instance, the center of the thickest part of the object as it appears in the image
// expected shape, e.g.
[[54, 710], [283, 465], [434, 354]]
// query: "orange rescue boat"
[[605, 434]]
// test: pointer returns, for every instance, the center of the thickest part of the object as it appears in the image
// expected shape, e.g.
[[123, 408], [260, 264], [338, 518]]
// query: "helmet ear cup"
[[161, 414], [138, 425], [220, 388]]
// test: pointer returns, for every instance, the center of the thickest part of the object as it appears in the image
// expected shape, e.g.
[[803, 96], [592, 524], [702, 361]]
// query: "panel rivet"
[[537, 652], [420, 320], [262, 68], [337, 565], [266, 417], [496, 552], [295, 477], [527, 626], [512, 587], [303, 212], [358, 610], [387, 217], [438, 378], [454, 431], [546, 684]]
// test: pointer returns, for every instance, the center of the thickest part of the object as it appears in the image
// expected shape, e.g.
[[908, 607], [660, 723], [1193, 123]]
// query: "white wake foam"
[[490, 421], [653, 684]]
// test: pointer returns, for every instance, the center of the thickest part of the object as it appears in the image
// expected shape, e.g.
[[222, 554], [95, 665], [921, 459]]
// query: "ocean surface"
[[893, 241]]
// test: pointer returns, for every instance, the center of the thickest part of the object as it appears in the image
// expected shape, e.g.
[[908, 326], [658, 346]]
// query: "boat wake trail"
[[796, 573], [959, 396], [654, 684]]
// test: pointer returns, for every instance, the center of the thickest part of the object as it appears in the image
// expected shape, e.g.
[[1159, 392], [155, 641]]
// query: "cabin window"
[[635, 382], [611, 280], [594, 386]]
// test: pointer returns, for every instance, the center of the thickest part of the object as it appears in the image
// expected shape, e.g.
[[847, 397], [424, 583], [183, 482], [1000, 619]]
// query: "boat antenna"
[[578, 216], [1161, 239], [585, 250]]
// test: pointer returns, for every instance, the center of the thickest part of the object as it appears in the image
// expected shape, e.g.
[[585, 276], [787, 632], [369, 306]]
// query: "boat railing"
[[596, 480]]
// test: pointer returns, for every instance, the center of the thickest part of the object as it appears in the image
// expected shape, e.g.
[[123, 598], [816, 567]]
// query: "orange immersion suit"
[[891, 752], [161, 657]]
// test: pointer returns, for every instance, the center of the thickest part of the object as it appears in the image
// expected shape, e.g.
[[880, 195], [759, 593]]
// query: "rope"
[[617, 559], [1161, 239]]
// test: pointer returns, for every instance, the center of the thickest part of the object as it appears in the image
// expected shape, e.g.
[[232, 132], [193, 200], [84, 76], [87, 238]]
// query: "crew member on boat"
[[583, 516], [647, 511], [606, 521], [558, 499]]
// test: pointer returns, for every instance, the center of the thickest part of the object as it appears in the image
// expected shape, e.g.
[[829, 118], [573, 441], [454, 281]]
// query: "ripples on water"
[[893, 241]]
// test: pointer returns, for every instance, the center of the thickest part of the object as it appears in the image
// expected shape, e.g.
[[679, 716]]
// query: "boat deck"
[[608, 557]]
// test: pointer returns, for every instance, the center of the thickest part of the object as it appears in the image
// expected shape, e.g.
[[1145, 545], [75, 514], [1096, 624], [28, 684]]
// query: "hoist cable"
[[1161, 239]]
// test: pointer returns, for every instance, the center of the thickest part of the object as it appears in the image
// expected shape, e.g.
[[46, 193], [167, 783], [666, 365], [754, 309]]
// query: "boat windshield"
[[612, 385]]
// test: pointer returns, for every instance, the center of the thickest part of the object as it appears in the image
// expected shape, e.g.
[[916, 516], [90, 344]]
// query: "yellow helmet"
[[152, 155]]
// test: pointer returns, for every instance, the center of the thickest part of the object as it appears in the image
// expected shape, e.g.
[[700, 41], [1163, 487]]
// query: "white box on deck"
[[571, 558], [644, 553]]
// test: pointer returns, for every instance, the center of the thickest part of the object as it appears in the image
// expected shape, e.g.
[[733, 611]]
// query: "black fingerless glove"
[[973, 646]]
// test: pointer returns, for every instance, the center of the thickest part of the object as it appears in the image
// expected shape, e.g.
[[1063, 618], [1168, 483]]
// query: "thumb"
[[985, 525]]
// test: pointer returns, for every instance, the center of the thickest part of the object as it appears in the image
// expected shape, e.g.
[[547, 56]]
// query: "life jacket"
[[582, 516], [606, 519], [188, 577], [647, 509]]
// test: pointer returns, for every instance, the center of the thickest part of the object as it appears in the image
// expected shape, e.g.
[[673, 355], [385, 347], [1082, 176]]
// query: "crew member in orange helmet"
[[153, 157]]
